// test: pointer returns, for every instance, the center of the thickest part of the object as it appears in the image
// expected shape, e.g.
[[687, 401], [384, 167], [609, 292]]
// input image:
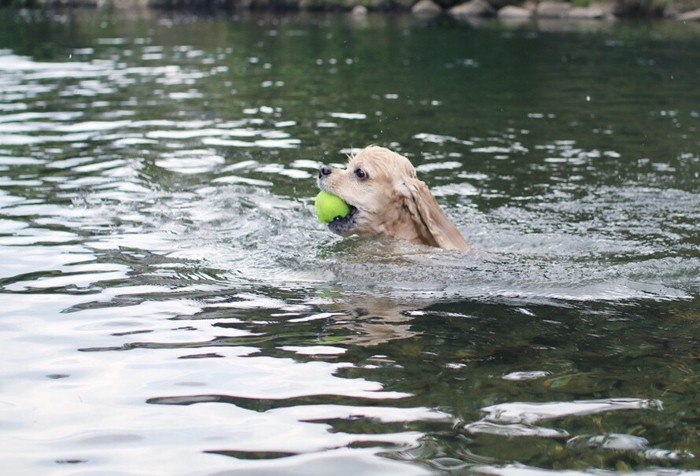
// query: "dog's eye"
[[361, 174]]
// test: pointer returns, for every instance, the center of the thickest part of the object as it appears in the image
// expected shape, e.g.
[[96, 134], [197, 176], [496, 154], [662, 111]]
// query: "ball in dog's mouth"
[[329, 207]]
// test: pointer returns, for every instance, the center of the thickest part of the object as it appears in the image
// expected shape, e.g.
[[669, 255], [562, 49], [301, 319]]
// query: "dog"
[[386, 198]]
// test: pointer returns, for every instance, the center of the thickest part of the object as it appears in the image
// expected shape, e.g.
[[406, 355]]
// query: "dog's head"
[[387, 199]]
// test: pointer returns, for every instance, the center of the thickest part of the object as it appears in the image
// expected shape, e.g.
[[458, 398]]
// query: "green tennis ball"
[[329, 207]]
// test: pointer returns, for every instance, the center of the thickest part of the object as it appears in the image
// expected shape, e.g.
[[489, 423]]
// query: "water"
[[170, 305]]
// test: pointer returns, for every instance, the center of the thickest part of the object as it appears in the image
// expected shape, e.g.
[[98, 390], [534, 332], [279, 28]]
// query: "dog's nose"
[[324, 171]]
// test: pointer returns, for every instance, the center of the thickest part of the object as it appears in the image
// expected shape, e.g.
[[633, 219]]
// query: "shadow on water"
[[171, 302]]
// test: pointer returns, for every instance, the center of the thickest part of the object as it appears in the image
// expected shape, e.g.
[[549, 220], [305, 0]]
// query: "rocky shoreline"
[[510, 10], [554, 9]]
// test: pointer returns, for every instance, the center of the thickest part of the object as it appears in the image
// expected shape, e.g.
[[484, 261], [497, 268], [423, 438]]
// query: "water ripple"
[[534, 412]]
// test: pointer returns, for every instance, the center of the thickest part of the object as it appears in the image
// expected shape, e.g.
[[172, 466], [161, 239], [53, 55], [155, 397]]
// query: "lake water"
[[171, 306]]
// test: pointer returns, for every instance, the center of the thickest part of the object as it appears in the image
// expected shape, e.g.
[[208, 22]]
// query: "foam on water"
[[261, 238]]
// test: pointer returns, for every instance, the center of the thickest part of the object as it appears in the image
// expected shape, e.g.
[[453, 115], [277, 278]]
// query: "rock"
[[595, 11], [553, 9], [359, 10], [586, 13], [426, 8], [693, 15], [513, 12], [473, 8]]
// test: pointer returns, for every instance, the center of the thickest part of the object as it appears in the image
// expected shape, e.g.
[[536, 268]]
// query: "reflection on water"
[[170, 302]]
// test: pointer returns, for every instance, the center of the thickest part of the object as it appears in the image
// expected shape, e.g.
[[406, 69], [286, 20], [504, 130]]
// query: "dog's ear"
[[426, 213]]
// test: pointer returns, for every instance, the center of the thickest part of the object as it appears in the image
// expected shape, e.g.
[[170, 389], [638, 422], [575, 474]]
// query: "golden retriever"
[[387, 199]]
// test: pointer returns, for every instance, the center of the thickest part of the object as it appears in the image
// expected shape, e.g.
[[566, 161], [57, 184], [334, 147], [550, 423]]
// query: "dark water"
[[171, 306]]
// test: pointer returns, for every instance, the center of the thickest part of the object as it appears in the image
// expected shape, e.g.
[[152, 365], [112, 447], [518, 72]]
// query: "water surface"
[[171, 306]]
